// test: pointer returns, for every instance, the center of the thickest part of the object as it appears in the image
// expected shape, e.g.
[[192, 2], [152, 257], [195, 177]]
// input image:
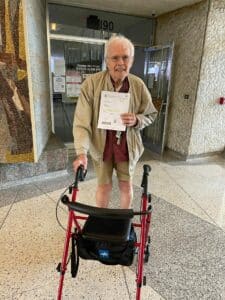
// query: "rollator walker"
[[108, 235]]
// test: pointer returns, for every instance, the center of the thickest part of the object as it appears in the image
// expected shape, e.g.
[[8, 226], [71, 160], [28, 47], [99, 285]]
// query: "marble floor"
[[187, 237]]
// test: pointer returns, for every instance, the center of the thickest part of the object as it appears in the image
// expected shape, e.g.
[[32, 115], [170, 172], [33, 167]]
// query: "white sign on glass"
[[59, 84], [73, 83]]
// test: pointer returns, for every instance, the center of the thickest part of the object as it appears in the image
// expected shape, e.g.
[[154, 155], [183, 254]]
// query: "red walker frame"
[[144, 225]]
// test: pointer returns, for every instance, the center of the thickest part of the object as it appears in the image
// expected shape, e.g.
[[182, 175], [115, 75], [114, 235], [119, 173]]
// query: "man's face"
[[119, 60]]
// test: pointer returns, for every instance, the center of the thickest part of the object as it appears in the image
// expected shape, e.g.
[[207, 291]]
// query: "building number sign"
[[106, 25]]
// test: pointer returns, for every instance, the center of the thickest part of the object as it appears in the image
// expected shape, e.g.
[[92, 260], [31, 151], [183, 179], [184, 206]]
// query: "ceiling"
[[147, 8]]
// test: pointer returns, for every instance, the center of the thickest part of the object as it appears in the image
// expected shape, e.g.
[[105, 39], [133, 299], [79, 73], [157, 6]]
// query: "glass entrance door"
[[157, 76], [71, 63]]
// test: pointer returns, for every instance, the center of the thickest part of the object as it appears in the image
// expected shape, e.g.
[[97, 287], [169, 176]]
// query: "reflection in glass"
[[71, 64], [157, 77]]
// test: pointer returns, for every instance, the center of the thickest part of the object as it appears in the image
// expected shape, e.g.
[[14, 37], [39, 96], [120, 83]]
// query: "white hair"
[[119, 38]]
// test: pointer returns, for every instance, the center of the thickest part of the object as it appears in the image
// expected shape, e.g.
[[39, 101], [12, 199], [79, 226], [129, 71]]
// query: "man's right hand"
[[80, 160]]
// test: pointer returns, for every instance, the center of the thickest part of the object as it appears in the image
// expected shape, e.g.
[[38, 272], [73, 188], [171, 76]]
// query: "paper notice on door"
[[113, 104], [59, 84], [73, 84]]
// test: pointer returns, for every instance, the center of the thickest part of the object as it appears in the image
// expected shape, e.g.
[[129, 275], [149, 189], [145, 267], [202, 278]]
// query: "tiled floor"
[[188, 237]]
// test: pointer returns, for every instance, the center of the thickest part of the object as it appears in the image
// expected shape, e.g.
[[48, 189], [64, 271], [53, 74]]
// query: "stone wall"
[[36, 37], [53, 160], [186, 27], [208, 130]]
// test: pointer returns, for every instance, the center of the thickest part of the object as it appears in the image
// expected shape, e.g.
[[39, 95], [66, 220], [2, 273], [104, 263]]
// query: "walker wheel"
[[147, 254], [74, 257], [144, 280]]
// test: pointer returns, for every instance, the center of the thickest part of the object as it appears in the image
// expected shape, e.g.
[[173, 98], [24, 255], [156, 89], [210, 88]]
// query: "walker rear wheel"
[[147, 252], [74, 258]]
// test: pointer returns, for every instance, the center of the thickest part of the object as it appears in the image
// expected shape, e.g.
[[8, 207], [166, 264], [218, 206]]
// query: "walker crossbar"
[[101, 212], [74, 229], [104, 212]]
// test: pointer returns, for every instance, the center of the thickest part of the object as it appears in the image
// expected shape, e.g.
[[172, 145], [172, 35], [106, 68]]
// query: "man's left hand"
[[129, 119]]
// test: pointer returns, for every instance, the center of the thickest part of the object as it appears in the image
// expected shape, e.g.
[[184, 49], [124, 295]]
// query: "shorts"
[[104, 171]]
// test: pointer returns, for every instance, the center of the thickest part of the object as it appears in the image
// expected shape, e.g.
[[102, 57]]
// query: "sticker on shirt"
[[113, 104]]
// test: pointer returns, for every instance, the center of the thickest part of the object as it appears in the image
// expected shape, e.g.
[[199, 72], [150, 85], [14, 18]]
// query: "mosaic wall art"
[[16, 143]]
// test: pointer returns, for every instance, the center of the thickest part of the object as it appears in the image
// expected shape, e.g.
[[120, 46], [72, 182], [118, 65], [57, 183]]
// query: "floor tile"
[[7, 196], [54, 184], [165, 187], [205, 188], [146, 291], [32, 237], [187, 255], [187, 237], [28, 191], [4, 211]]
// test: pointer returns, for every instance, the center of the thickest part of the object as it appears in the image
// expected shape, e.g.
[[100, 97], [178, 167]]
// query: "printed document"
[[113, 104]]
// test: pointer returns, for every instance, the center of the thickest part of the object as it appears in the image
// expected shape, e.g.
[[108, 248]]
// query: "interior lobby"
[[47, 49]]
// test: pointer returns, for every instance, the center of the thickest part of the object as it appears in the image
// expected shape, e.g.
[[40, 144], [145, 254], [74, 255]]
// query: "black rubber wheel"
[[147, 254], [74, 259]]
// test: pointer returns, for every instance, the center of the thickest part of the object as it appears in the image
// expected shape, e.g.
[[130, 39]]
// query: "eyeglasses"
[[125, 58]]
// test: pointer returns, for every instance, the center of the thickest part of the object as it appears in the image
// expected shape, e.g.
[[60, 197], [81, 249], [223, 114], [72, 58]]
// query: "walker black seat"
[[110, 241], [107, 229]]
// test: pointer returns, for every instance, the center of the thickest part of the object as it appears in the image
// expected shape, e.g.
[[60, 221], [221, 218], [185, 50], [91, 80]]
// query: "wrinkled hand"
[[129, 119], [80, 160]]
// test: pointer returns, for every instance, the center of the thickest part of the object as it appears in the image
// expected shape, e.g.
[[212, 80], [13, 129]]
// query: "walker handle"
[[147, 169], [144, 183], [80, 175]]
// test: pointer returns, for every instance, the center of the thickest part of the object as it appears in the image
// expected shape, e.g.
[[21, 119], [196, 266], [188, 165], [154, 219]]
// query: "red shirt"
[[114, 151]]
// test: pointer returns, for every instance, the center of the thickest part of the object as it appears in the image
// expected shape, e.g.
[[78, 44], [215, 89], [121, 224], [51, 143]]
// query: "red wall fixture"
[[222, 100]]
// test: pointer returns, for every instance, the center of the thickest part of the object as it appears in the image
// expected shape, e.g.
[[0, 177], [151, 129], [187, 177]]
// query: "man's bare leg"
[[103, 194], [126, 193]]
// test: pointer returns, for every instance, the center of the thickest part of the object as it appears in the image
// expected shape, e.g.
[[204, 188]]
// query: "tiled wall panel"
[[208, 131]]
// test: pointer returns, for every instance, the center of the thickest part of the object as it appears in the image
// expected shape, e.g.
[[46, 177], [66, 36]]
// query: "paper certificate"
[[113, 104]]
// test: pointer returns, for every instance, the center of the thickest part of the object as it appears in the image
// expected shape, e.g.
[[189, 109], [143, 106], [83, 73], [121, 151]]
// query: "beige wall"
[[208, 130], [186, 27], [37, 56]]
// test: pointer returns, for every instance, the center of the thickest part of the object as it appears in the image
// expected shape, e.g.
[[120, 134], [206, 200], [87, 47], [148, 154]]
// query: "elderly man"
[[111, 149]]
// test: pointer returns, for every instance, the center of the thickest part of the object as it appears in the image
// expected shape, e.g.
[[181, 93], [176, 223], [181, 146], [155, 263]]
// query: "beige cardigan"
[[87, 137]]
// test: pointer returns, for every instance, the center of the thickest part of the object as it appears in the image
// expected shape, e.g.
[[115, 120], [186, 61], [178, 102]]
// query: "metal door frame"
[[171, 56]]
